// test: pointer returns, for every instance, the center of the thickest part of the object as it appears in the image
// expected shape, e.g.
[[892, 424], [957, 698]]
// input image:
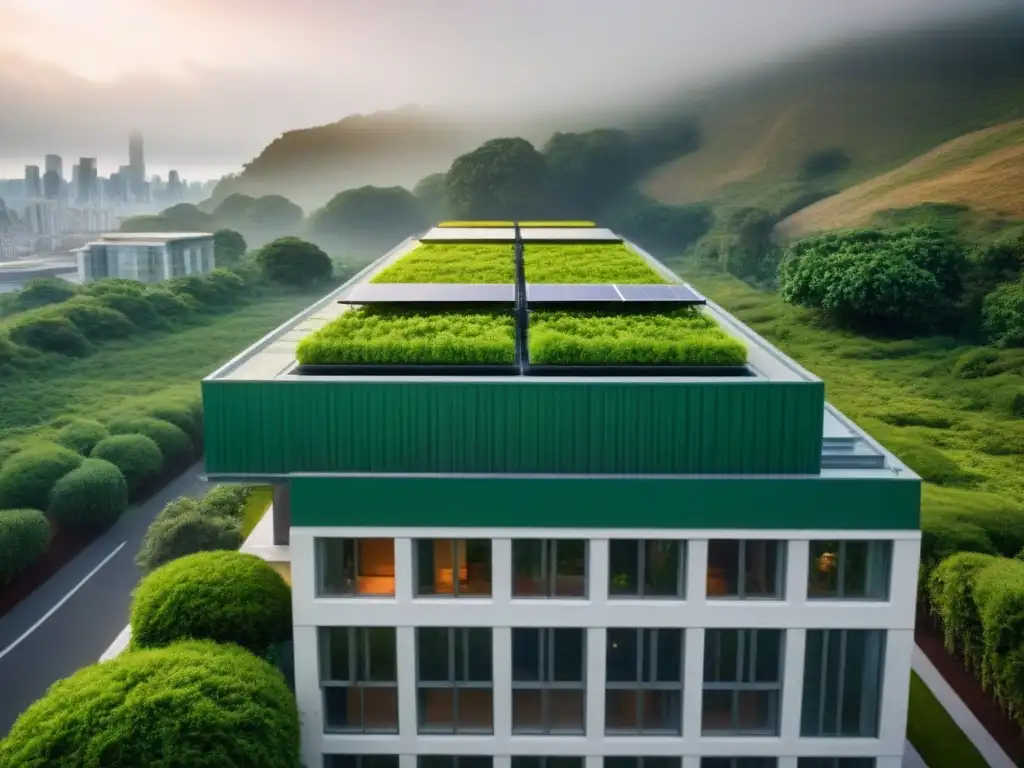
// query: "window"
[[360, 761], [359, 680], [854, 570], [645, 681], [548, 674], [836, 762], [549, 568], [456, 689], [647, 568], [547, 762], [453, 567], [453, 761], [643, 762], [355, 567], [747, 570], [842, 682], [742, 681], [738, 762]]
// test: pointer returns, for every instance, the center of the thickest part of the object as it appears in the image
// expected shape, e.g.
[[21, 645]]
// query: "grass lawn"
[[933, 733], [586, 263], [453, 263], [256, 505]]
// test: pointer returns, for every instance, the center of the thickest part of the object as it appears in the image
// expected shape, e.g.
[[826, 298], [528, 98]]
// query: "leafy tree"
[[234, 209], [274, 212], [990, 266], [228, 246], [195, 704], [369, 215], [292, 261], [24, 537], [27, 478], [1003, 315], [91, 497], [653, 225], [585, 171], [501, 179], [186, 217], [137, 456], [431, 196], [186, 531], [748, 250]]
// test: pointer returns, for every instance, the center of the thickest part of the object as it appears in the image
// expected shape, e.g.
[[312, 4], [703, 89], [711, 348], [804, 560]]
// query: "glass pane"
[[723, 568], [861, 689], [342, 709], [662, 711], [376, 567], [527, 762], [662, 762], [527, 576], [661, 576], [767, 650], [479, 655], [432, 648], [570, 655], [621, 762], [474, 762], [669, 660], [341, 761], [475, 571], [337, 566], [436, 709], [435, 761], [383, 663], [379, 761], [430, 558], [874, 583], [762, 569], [855, 569], [565, 711], [571, 568], [564, 762], [526, 664], [334, 654], [716, 762], [623, 567], [527, 711], [621, 710], [622, 655], [823, 575], [475, 710], [721, 649], [716, 711], [380, 710], [757, 712]]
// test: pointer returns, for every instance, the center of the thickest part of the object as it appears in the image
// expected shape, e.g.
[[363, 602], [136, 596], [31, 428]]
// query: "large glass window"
[[836, 762], [851, 570], [547, 762], [360, 761], [453, 567], [738, 762], [355, 567], [643, 762], [549, 568], [747, 570], [647, 568], [742, 681], [843, 682], [454, 761], [358, 676], [454, 679], [548, 680], [644, 681]]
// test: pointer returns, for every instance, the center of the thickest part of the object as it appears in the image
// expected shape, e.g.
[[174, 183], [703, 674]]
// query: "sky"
[[211, 82]]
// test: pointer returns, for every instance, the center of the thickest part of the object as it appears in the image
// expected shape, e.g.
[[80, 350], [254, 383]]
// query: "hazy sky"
[[210, 82]]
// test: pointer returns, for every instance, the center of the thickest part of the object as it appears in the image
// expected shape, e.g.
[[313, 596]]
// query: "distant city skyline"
[[14, 168]]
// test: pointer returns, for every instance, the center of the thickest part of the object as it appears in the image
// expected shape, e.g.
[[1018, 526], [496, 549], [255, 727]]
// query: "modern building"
[[146, 256], [87, 187], [137, 164], [33, 183], [525, 565]]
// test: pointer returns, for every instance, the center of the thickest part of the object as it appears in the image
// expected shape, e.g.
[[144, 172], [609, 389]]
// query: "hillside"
[[982, 171], [881, 102]]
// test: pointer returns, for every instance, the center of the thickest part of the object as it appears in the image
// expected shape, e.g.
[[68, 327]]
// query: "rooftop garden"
[[472, 224], [586, 263], [452, 263], [677, 337]]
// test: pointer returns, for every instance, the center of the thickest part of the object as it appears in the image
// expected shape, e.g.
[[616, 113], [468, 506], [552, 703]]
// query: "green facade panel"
[[515, 425], [608, 502]]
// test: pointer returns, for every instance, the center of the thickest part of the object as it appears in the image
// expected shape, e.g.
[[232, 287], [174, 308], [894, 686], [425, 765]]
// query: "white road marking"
[[63, 600]]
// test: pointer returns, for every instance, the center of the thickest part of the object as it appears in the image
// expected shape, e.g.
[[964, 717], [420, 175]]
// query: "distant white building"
[[146, 256]]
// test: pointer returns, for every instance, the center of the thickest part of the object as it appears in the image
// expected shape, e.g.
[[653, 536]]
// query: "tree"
[[234, 209], [274, 212], [292, 261], [228, 246], [174, 444], [369, 215], [431, 196], [186, 217], [195, 704], [585, 171], [748, 250], [501, 179], [1003, 315]]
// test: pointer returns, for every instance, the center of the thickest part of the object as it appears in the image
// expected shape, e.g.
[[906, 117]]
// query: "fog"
[[210, 82]]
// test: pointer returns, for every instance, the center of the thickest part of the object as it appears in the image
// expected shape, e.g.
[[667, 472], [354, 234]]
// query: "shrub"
[[28, 477], [229, 285], [1003, 315], [1001, 519], [171, 306], [91, 497], [944, 534], [137, 456], [227, 597], [950, 589], [999, 600], [291, 261], [24, 537], [48, 332], [196, 288], [930, 463], [42, 292], [228, 246], [177, 507], [178, 414], [81, 435], [114, 285], [974, 363], [226, 501], [173, 443], [136, 307], [195, 704], [95, 320], [185, 533]]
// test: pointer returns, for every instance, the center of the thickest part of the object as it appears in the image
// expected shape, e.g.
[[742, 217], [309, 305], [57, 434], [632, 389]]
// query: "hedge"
[[175, 446], [24, 537], [195, 704], [27, 478], [170, 305], [186, 533], [136, 307], [226, 501], [91, 497], [46, 332], [96, 321], [137, 456], [180, 415], [950, 589], [228, 597], [81, 435], [956, 520]]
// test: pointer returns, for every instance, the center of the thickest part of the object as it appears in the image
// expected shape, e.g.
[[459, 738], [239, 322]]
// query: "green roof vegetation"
[[677, 337], [452, 263], [477, 223], [379, 336], [586, 263]]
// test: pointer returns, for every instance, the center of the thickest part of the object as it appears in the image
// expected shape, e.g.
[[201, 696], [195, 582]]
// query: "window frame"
[[548, 575], [839, 683], [320, 560], [641, 761], [547, 685], [836, 762], [543, 760], [646, 653], [739, 686], [878, 549], [641, 571], [746, 761], [334, 759], [358, 649], [455, 759], [741, 577], [453, 683], [456, 565]]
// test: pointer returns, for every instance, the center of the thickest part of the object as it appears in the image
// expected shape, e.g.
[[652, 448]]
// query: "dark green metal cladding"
[[515, 425], [820, 503]]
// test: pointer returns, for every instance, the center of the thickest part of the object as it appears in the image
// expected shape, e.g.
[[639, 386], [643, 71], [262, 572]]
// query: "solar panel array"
[[430, 293], [564, 293], [568, 235], [505, 293], [469, 235]]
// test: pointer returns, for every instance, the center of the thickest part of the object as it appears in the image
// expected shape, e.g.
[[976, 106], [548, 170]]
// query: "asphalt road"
[[70, 620]]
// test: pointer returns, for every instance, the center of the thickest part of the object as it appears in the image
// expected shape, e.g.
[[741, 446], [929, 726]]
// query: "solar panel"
[[430, 293], [469, 234], [565, 293], [669, 294], [568, 235]]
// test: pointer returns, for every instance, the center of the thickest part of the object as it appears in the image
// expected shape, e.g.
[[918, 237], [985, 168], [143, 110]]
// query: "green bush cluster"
[[956, 520], [91, 497], [24, 537]]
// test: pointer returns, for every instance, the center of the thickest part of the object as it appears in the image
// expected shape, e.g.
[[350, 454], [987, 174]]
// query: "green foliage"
[[114, 285], [934, 733], [81, 435], [950, 591], [999, 598], [680, 337], [227, 284], [95, 319], [194, 704], [501, 179], [586, 171], [587, 263], [39, 292], [228, 247], [46, 332], [227, 597], [234, 208], [824, 162], [147, 223], [452, 263], [172, 306], [197, 288], [670, 228], [1003, 315], [24, 537], [431, 197], [930, 463], [188, 420], [136, 307], [291, 261], [91, 497], [368, 215], [944, 534], [27, 478], [274, 212], [185, 531], [137, 456], [174, 444], [409, 337], [226, 501]]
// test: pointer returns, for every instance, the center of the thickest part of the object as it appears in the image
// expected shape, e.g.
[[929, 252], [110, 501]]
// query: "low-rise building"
[[147, 256]]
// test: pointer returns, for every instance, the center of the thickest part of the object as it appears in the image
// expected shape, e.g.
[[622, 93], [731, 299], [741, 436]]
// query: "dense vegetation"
[[452, 263], [586, 263]]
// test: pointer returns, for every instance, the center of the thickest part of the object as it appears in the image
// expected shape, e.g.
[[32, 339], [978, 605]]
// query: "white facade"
[[148, 260], [799, 617]]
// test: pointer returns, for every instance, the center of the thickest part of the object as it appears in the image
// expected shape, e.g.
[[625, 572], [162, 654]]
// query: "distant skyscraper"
[[88, 186], [137, 163], [55, 163], [33, 182], [173, 186]]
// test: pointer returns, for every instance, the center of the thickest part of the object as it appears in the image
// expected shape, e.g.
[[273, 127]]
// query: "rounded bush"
[[96, 321], [194, 704], [183, 532], [137, 456], [974, 363], [136, 307], [1003, 315], [28, 477], [114, 285], [81, 435], [227, 597], [198, 288], [169, 305], [24, 537], [229, 285], [177, 507], [173, 443], [226, 501], [178, 414], [48, 332], [89, 498]]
